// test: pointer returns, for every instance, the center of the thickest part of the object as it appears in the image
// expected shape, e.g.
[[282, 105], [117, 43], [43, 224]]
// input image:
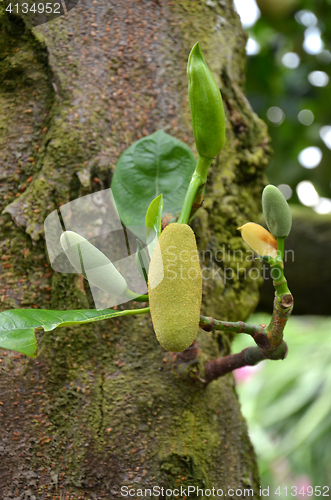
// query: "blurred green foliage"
[[270, 84], [288, 404]]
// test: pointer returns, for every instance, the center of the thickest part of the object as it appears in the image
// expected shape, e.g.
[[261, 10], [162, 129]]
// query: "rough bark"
[[104, 405]]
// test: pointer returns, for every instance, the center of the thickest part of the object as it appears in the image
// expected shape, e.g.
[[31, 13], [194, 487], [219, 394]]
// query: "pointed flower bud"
[[206, 106], [92, 264], [276, 212], [259, 239]]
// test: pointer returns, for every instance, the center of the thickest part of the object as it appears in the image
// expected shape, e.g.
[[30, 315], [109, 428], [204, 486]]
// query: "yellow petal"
[[259, 239]]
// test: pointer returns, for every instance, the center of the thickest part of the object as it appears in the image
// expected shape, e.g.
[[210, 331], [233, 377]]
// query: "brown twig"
[[272, 335], [256, 332]]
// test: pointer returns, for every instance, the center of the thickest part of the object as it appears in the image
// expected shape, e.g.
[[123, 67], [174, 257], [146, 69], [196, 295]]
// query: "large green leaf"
[[155, 164], [153, 222], [17, 326]]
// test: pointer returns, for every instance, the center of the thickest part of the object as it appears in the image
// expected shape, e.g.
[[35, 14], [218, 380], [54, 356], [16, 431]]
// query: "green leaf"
[[155, 164], [17, 326], [153, 222], [19, 339]]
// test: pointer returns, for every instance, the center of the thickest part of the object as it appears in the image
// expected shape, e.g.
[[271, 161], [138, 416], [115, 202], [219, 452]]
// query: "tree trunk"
[[104, 406]]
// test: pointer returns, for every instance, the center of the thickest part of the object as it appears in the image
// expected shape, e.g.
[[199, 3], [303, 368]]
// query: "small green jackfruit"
[[175, 288], [276, 212], [92, 264]]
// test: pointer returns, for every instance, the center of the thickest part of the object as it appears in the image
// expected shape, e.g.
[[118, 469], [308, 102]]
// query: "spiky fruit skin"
[[175, 288], [276, 212]]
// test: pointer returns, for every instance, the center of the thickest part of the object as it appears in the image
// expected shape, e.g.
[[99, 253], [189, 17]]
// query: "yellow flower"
[[259, 239]]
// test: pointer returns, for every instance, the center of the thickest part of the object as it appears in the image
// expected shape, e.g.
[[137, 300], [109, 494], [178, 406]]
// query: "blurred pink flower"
[[245, 373], [302, 483]]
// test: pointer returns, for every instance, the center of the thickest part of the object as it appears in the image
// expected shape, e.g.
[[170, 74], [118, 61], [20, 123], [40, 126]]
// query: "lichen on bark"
[[103, 405]]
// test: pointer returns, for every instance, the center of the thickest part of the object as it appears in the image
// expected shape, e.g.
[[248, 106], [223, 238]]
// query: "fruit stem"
[[198, 179], [281, 247], [133, 296]]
